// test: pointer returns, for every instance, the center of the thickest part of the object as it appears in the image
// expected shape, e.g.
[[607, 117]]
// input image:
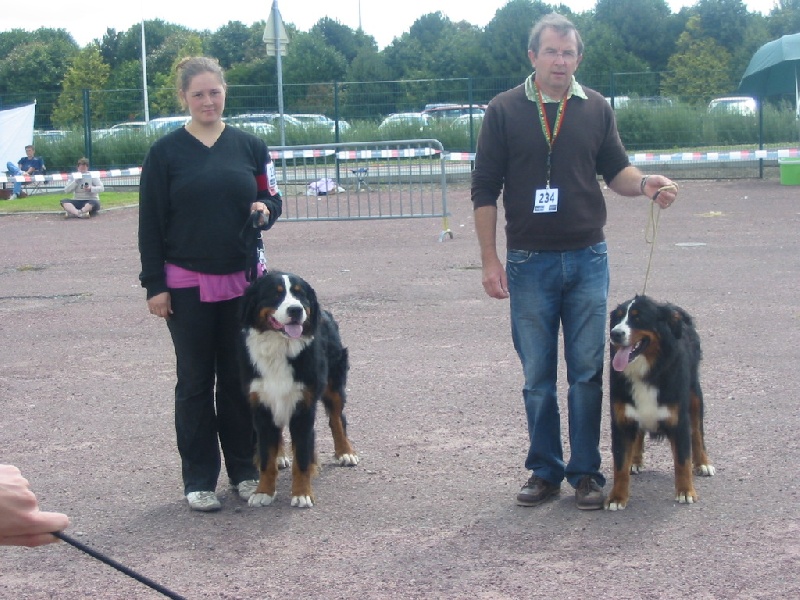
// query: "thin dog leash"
[[652, 224], [119, 567]]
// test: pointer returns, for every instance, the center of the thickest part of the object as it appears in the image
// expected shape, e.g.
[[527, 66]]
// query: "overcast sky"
[[384, 20]]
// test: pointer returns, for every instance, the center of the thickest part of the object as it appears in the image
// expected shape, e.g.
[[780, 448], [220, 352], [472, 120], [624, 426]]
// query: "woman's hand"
[[160, 305], [260, 206]]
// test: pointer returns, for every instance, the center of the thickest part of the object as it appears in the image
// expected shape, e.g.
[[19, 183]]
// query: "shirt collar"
[[575, 89]]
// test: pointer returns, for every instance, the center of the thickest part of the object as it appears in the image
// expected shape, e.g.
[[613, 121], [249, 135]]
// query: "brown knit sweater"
[[512, 157]]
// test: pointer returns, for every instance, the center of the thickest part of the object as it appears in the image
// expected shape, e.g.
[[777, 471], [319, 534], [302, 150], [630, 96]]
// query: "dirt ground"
[[434, 411]]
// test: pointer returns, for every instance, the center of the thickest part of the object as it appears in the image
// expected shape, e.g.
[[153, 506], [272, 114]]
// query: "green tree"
[[348, 42], [37, 65], [505, 39], [642, 27], [459, 54], [723, 20], [125, 100], [111, 48], [699, 68], [605, 54], [784, 18], [164, 100], [9, 40], [87, 72], [311, 60], [414, 55], [229, 44], [260, 71]]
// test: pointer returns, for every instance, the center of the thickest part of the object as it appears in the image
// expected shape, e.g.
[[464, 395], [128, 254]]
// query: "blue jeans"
[[14, 170], [548, 290]]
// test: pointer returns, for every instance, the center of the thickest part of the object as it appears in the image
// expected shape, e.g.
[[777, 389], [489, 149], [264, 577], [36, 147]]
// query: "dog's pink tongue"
[[621, 358], [293, 330]]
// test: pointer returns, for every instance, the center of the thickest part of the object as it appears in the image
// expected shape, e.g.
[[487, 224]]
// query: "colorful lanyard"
[[550, 136]]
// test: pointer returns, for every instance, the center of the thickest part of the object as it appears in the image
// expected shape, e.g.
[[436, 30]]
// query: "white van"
[[163, 125], [736, 105]]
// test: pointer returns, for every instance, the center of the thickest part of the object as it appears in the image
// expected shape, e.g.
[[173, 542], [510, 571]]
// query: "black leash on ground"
[[119, 567]]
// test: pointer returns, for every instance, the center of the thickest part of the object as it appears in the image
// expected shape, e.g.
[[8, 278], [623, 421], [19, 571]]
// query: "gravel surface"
[[434, 411]]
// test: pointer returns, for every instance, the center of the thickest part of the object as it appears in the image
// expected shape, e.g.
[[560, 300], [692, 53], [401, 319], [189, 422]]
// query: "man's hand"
[[21, 521], [660, 190], [495, 283]]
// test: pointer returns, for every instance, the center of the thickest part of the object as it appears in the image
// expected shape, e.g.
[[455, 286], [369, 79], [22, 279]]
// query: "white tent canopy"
[[16, 132]]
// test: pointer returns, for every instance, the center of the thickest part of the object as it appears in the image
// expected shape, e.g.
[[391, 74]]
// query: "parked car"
[[163, 125], [311, 120], [121, 129], [618, 101], [257, 127], [50, 134], [463, 122], [127, 128], [406, 119], [738, 105], [451, 111], [649, 101], [270, 118]]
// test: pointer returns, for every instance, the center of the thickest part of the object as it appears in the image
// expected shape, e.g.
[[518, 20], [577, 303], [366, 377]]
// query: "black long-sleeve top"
[[195, 200]]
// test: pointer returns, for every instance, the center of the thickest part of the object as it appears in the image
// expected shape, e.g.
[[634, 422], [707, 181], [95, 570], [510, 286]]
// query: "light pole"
[[144, 78], [276, 40]]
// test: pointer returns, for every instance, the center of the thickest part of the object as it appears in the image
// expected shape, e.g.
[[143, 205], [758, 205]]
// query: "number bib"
[[545, 201]]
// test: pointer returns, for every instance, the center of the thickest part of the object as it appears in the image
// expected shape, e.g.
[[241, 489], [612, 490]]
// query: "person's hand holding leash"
[[262, 208], [659, 189], [21, 521]]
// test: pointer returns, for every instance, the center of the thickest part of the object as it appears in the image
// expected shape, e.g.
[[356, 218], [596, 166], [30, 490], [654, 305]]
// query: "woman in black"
[[198, 188]]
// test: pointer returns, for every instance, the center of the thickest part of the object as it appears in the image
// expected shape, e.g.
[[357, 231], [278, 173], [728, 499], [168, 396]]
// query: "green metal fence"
[[649, 120]]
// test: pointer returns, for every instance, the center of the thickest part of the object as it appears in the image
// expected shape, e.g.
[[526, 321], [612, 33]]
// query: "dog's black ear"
[[313, 306], [248, 306], [674, 320]]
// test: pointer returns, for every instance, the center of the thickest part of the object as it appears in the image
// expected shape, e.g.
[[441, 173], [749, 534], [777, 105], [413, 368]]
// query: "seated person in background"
[[30, 164], [86, 196]]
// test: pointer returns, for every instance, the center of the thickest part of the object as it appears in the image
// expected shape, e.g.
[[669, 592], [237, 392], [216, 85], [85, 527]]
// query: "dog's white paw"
[[705, 470], [684, 498], [348, 460], [636, 469], [302, 501], [261, 499], [284, 462], [615, 506]]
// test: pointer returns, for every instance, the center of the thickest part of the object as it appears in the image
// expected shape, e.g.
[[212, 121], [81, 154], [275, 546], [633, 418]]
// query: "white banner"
[[16, 132]]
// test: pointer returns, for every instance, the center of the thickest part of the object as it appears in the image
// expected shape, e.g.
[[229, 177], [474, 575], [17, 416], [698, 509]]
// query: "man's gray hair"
[[560, 24]]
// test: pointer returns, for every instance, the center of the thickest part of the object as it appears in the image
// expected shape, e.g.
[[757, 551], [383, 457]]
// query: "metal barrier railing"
[[398, 179]]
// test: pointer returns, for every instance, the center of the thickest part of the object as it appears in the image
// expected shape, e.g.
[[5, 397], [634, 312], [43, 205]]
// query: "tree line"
[[699, 50]]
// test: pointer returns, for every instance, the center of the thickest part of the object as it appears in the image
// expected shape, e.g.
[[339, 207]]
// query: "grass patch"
[[50, 202]]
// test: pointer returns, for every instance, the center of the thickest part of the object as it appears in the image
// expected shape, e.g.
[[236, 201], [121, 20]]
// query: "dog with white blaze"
[[292, 358], [655, 388]]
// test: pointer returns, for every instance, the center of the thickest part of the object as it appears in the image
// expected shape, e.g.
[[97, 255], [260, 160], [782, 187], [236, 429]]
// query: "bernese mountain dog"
[[292, 357], [655, 387]]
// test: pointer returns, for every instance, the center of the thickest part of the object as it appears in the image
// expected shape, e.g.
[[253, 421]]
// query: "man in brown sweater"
[[543, 144]]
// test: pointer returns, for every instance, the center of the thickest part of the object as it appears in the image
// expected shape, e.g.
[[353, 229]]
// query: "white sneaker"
[[247, 488], [13, 197], [203, 501]]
